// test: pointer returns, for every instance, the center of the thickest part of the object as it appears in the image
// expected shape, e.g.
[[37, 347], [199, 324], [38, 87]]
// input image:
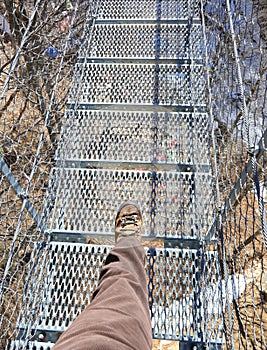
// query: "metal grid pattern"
[[110, 135], [174, 278], [174, 205], [148, 9], [72, 276], [179, 304], [32, 345], [170, 41], [141, 84]]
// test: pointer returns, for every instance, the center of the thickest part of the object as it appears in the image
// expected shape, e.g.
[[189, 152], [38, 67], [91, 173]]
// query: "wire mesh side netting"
[[236, 42], [39, 48]]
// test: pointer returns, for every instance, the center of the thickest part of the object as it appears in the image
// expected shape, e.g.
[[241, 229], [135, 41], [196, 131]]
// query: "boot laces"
[[129, 220]]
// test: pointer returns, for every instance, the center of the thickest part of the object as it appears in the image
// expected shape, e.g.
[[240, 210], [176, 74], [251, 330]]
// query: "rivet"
[[41, 336]]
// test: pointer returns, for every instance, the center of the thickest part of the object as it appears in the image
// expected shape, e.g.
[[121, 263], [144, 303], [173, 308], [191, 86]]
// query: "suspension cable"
[[217, 189]]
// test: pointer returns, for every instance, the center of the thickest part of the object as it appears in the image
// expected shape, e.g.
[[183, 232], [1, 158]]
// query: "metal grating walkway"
[[136, 127]]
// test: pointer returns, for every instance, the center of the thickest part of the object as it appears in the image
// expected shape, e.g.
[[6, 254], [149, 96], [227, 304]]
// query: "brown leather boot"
[[128, 221]]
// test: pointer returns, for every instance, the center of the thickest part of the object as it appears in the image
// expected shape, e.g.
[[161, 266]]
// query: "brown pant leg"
[[118, 316]]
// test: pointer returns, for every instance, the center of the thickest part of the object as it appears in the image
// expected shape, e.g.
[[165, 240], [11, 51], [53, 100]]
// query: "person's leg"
[[118, 316]]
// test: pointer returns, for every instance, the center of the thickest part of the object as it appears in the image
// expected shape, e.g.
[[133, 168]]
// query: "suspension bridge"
[[140, 123]]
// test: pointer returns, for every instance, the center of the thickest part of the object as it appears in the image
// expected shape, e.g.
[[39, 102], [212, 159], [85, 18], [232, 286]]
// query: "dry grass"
[[247, 256], [165, 345]]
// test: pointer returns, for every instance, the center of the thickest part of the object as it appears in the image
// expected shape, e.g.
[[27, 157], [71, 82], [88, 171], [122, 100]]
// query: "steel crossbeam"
[[136, 127]]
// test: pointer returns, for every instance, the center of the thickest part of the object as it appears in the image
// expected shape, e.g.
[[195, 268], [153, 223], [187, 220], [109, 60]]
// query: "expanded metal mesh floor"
[[180, 138], [148, 9], [145, 84], [175, 277], [174, 204], [174, 41], [139, 97], [33, 345]]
